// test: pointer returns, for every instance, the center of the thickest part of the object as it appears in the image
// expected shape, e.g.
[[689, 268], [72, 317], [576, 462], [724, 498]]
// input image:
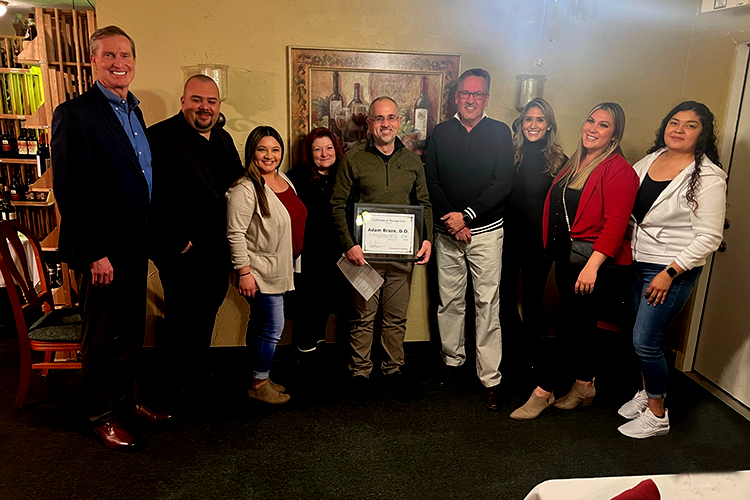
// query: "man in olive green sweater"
[[382, 171]]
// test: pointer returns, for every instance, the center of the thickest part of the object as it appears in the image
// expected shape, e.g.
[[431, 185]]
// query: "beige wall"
[[644, 54]]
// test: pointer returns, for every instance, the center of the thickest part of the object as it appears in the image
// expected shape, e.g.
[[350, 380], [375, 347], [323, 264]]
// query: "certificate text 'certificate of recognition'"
[[388, 233]]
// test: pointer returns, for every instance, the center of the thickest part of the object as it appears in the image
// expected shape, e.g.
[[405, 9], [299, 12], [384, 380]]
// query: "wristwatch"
[[467, 219], [672, 272]]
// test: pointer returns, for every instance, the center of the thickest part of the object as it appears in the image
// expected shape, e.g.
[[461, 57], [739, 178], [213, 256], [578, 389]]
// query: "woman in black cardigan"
[[319, 286], [538, 158]]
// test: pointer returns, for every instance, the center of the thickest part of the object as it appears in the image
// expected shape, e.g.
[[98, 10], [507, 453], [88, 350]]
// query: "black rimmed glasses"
[[381, 119], [464, 94]]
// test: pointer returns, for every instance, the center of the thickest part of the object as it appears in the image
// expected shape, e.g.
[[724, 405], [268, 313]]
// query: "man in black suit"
[[102, 180], [195, 162]]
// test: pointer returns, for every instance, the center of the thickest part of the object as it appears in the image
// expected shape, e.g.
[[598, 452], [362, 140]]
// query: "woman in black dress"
[[318, 286], [538, 159]]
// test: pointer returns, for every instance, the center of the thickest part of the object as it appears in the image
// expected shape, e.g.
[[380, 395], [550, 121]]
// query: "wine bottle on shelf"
[[9, 210], [422, 113], [29, 195], [335, 103], [23, 145], [15, 189], [3, 212], [42, 154], [8, 144], [32, 143]]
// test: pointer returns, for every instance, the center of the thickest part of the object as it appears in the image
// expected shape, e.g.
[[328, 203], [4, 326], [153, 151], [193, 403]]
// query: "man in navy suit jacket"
[[101, 161]]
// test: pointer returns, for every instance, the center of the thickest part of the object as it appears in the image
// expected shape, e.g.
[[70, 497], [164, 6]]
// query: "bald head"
[[200, 103]]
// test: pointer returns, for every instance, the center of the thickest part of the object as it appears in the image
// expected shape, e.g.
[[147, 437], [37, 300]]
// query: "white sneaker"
[[635, 406], [646, 425]]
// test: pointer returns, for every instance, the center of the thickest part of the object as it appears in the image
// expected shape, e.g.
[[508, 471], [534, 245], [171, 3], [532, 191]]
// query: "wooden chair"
[[56, 329]]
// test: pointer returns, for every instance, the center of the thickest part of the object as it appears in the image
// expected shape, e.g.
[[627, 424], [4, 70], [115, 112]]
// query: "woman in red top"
[[589, 201]]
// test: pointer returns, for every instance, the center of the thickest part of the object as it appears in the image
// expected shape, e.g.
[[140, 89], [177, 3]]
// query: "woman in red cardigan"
[[586, 215]]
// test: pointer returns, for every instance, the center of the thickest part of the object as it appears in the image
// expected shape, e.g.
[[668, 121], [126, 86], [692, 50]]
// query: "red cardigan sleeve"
[[619, 187]]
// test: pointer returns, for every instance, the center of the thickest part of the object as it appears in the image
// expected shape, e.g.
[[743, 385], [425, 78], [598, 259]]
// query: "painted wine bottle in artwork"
[[422, 114], [359, 110], [335, 103]]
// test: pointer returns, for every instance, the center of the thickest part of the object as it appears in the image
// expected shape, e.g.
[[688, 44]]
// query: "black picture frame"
[[359, 224]]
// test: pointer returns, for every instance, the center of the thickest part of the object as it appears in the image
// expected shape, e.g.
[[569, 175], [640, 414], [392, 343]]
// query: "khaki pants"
[[394, 297], [483, 256]]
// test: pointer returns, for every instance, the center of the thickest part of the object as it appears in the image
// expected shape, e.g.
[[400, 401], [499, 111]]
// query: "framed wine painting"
[[332, 88]]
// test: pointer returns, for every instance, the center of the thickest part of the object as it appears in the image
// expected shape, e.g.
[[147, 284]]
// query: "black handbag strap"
[[565, 209]]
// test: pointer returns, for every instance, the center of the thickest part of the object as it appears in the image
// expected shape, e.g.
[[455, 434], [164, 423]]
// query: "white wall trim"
[[729, 131]]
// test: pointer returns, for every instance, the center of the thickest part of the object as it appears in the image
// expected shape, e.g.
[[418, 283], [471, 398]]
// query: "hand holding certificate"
[[389, 232]]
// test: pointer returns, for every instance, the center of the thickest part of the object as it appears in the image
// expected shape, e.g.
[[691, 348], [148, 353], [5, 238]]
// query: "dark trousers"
[[113, 329], [393, 297], [195, 284], [319, 291], [521, 336], [576, 345]]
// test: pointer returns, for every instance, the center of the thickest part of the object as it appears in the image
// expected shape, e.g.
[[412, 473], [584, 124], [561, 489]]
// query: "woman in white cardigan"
[[265, 226], [677, 223]]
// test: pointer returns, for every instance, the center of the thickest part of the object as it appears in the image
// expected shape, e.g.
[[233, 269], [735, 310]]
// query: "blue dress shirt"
[[125, 111]]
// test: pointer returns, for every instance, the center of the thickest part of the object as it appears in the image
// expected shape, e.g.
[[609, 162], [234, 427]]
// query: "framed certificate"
[[388, 232]]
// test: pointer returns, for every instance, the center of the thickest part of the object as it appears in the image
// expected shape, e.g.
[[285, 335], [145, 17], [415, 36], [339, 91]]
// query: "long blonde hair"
[[576, 177], [552, 151]]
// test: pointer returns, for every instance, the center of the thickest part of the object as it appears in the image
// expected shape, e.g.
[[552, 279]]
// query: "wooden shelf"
[[49, 244], [14, 117], [44, 183], [23, 204], [20, 71], [50, 200], [23, 161], [70, 64], [31, 53]]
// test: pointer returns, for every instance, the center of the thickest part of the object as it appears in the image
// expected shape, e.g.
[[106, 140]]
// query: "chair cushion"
[[60, 325]]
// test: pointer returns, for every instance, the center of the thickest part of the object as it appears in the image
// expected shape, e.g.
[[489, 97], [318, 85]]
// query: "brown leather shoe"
[[448, 378], [113, 436], [146, 414], [492, 398]]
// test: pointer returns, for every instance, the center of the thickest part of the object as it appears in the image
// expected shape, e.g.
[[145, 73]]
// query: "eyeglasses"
[[381, 119], [464, 94]]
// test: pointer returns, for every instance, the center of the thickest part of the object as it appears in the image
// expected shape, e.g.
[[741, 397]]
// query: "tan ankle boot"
[[533, 407], [267, 394], [276, 387], [577, 395]]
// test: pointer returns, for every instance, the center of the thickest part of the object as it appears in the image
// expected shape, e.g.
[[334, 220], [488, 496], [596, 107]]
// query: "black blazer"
[[100, 189], [188, 199]]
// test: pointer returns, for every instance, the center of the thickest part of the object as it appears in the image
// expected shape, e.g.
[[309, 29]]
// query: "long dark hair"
[[306, 166], [706, 144], [251, 169], [552, 151]]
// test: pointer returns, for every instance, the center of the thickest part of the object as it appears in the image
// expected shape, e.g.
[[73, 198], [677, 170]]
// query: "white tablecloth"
[[29, 261], [722, 486]]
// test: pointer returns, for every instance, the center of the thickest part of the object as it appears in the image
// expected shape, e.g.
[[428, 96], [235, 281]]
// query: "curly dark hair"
[[306, 165], [706, 144]]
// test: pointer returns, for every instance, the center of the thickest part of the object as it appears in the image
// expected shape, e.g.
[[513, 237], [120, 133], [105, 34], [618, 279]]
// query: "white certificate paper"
[[388, 233], [364, 279]]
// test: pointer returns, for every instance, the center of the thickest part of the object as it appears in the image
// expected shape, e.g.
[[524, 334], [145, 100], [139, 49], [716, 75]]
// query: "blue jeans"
[[265, 325], [652, 322]]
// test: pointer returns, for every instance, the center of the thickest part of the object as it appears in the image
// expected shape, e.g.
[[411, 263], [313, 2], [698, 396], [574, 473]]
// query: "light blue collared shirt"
[[125, 111]]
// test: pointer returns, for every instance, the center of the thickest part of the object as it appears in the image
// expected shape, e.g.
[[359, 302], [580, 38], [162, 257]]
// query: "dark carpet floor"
[[445, 444]]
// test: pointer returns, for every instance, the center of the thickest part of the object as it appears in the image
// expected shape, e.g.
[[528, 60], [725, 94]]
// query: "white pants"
[[484, 257]]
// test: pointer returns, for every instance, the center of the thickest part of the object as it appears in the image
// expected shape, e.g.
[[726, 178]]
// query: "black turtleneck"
[[530, 186]]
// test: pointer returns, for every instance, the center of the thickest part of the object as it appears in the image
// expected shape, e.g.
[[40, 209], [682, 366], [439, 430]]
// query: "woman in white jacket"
[[677, 222], [265, 228]]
